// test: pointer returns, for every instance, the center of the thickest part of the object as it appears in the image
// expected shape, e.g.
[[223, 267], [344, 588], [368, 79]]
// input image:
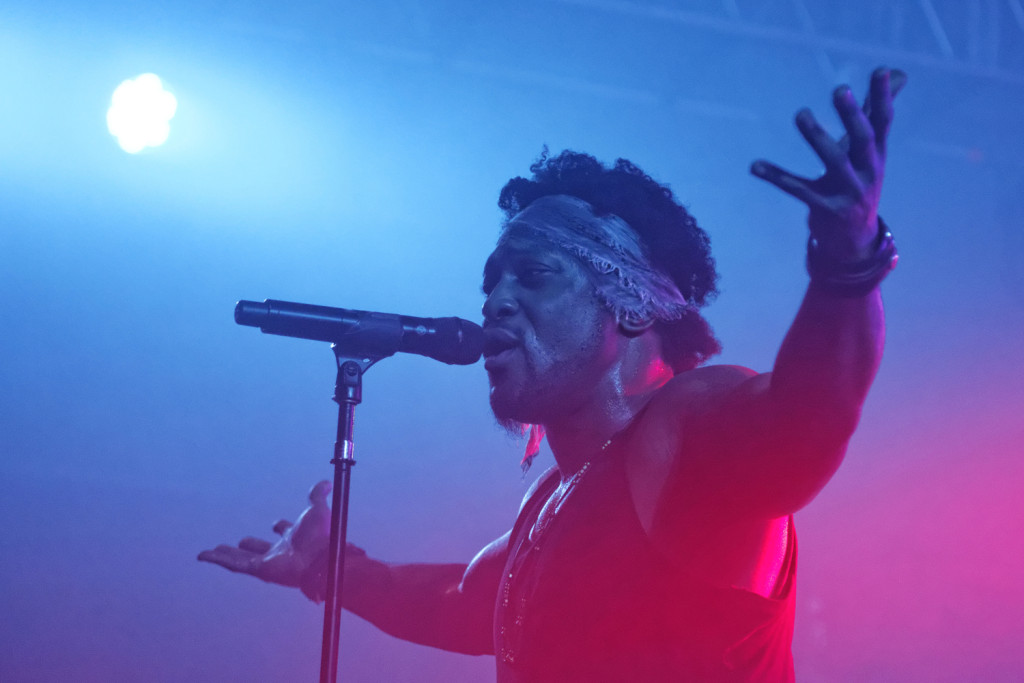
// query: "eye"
[[533, 274]]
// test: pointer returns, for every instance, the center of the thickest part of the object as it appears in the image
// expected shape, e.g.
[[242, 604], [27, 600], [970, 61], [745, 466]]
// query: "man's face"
[[548, 340]]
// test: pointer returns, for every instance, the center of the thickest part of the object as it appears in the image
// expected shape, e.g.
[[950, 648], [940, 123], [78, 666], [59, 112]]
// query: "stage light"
[[140, 113]]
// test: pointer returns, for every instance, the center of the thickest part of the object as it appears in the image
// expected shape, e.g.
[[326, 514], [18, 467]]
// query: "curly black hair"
[[672, 239]]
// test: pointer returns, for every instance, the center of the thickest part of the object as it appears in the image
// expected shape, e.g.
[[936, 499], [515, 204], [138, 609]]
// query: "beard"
[[513, 428], [539, 384], [510, 425], [510, 406]]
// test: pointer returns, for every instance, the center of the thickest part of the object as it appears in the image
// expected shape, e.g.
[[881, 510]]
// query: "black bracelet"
[[857, 278]]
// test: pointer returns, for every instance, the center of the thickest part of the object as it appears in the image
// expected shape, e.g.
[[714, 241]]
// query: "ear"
[[634, 326]]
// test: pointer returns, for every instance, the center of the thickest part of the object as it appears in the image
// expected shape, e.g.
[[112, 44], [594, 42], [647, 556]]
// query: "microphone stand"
[[360, 339], [450, 340], [348, 393]]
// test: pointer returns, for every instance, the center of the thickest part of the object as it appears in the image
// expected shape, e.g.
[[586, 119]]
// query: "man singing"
[[661, 546]]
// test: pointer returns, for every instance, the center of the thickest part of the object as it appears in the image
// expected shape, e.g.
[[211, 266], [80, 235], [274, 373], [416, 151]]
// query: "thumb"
[[318, 494]]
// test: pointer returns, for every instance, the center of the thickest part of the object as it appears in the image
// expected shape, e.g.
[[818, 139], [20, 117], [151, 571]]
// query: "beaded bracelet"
[[857, 278]]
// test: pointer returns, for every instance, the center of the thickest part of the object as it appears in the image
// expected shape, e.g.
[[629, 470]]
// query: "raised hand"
[[844, 201], [296, 559]]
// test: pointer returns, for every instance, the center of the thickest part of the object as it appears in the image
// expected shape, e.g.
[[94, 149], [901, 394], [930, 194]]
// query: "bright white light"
[[140, 113]]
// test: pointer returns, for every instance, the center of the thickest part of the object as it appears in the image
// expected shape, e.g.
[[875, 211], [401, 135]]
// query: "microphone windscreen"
[[456, 342], [251, 313]]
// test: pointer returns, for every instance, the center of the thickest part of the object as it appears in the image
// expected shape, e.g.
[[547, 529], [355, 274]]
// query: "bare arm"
[[831, 353], [782, 435], [773, 441], [448, 606]]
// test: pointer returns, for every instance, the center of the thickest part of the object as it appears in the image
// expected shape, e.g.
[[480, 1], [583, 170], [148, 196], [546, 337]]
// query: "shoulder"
[[683, 402], [676, 440], [700, 390], [484, 570], [713, 377]]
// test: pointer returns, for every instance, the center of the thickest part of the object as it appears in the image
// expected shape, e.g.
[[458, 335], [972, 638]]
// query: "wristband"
[[853, 279]]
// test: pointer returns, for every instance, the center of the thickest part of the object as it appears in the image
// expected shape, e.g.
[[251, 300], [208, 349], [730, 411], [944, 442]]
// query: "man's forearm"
[[421, 603], [827, 362]]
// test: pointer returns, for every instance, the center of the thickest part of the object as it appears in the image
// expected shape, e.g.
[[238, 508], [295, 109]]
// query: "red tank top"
[[589, 599]]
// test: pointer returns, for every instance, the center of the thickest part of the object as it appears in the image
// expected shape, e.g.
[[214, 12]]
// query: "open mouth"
[[499, 360]]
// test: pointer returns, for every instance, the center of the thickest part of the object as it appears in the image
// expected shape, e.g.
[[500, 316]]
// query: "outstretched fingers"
[[828, 150], [884, 86], [897, 79], [255, 545], [232, 558], [784, 180], [860, 133]]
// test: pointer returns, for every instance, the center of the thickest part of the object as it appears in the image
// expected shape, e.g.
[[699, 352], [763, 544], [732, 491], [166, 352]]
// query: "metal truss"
[[977, 38]]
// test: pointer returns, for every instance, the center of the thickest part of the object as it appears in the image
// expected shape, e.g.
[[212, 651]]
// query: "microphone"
[[363, 333]]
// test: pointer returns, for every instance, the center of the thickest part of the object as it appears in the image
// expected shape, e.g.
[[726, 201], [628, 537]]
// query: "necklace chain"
[[551, 508], [554, 504]]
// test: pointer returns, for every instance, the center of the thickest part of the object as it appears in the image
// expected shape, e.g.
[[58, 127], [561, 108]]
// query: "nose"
[[500, 303]]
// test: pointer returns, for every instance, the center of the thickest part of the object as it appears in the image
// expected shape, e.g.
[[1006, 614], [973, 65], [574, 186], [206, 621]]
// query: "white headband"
[[609, 246]]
